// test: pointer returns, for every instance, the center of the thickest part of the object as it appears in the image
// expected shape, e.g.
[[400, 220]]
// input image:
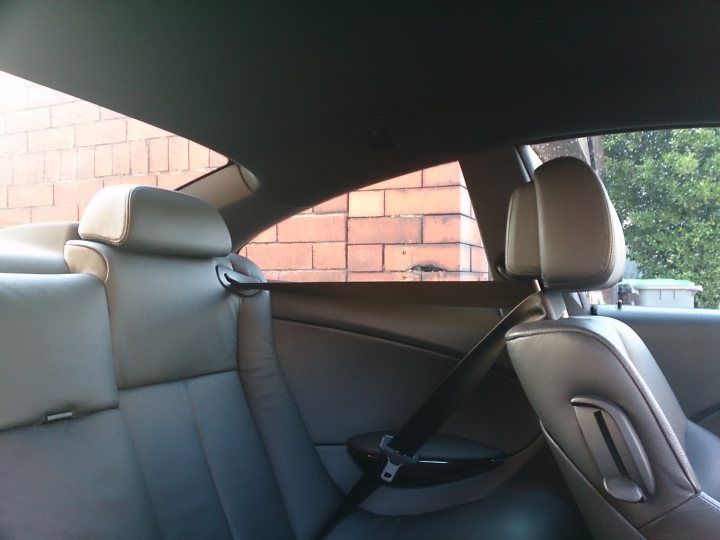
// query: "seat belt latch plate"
[[395, 459]]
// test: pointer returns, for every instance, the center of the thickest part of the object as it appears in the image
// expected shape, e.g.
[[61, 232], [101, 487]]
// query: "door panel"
[[686, 345], [362, 366]]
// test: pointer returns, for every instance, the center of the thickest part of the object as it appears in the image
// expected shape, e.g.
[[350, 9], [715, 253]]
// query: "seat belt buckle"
[[395, 459]]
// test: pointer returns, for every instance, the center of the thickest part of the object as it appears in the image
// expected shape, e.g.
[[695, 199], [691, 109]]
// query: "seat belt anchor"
[[395, 459]]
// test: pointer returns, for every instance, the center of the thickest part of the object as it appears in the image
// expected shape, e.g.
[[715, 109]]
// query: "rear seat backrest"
[[174, 335], [36, 248], [60, 477]]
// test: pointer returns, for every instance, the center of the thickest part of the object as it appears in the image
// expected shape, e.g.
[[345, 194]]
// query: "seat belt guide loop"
[[395, 459]]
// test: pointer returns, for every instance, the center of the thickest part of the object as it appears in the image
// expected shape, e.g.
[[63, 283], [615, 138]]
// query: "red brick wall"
[[56, 151], [419, 226]]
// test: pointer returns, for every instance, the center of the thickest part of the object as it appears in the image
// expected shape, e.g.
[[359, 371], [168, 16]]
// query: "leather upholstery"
[[136, 218], [522, 255], [72, 478], [558, 361], [207, 441], [581, 245], [66, 366], [36, 248], [171, 317]]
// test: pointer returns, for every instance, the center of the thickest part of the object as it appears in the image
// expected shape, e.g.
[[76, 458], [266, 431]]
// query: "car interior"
[[154, 383]]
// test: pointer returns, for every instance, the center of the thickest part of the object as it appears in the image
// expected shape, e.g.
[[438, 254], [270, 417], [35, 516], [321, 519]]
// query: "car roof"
[[320, 98]]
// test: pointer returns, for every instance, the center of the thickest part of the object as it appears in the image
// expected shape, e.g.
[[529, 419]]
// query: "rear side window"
[[416, 227], [665, 185], [56, 151]]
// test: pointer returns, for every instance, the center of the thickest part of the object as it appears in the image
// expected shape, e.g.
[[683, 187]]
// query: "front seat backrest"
[[636, 465]]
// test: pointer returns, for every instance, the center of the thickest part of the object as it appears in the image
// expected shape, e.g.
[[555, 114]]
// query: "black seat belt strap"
[[403, 448]]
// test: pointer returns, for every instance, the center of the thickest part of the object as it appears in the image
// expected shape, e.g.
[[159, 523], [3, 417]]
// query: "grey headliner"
[[290, 93]]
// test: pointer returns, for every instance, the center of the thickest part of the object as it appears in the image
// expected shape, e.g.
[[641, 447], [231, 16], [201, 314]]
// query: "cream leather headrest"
[[563, 229], [157, 221]]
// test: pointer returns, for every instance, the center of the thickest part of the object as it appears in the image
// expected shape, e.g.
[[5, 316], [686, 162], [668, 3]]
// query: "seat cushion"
[[521, 516]]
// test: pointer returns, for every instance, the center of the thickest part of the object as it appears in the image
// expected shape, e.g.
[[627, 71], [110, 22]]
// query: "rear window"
[[56, 151]]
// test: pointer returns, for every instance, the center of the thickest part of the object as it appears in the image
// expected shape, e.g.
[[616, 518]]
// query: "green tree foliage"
[[666, 188]]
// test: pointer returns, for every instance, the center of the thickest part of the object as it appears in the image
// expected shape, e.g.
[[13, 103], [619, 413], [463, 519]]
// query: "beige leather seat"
[[67, 464], [637, 466], [222, 447]]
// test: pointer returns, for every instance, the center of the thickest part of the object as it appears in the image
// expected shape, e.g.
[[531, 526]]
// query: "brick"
[[366, 203], [63, 212], [142, 180], [13, 144], [53, 161], [199, 156], [103, 160], [107, 114], [314, 276], [268, 235], [77, 112], [102, 132], [470, 233], [41, 96], [334, 205], [453, 276], [13, 99], [449, 257], [281, 256], [14, 216], [422, 201], [5, 171], [478, 260], [178, 154], [36, 168], [411, 180], [450, 228], [140, 130], [3, 197], [121, 158], [30, 195], [138, 157], [158, 154], [28, 169], [2, 123], [85, 164], [175, 180], [217, 159], [75, 191], [448, 174], [365, 258], [379, 230], [328, 255], [68, 164], [51, 139], [312, 228], [27, 120], [383, 276]]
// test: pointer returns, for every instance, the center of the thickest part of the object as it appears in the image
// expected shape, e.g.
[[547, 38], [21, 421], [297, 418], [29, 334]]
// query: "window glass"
[[665, 185], [56, 151], [417, 227]]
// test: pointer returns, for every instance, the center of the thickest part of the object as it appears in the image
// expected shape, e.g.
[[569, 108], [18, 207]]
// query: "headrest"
[[153, 220], [563, 229]]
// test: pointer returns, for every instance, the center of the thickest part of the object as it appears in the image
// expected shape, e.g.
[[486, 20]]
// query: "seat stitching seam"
[[196, 425]]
